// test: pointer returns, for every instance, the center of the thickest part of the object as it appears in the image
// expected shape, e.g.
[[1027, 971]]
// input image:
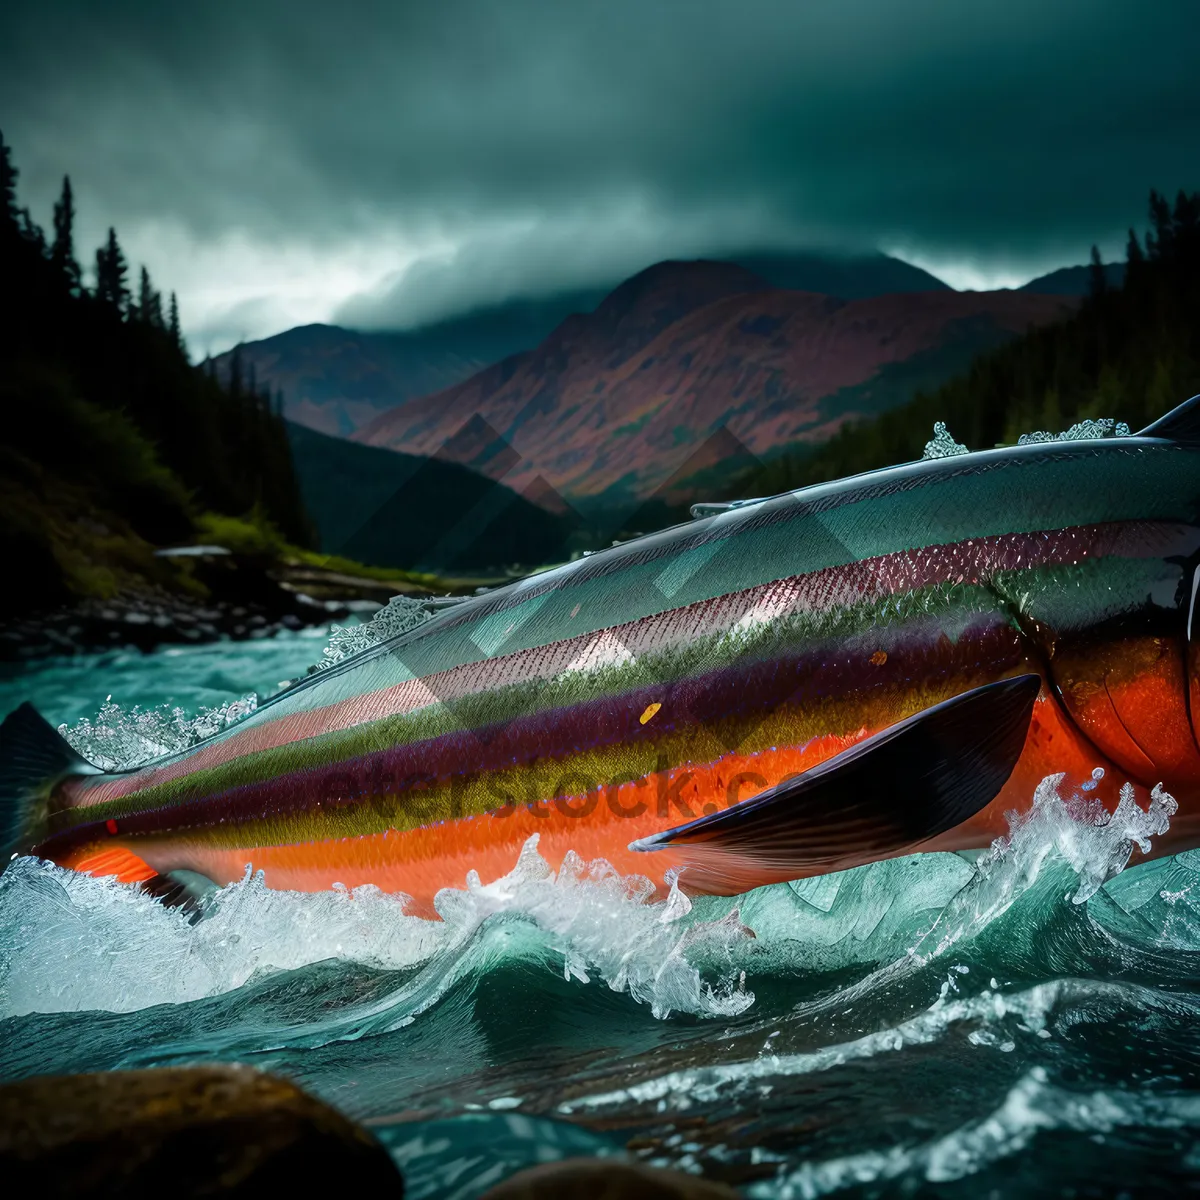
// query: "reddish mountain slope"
[[336, 381], [623, 397]]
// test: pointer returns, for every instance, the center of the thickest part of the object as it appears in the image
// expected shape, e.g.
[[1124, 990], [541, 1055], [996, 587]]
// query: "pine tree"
[[235, 372], [1097, 283], [8, 185], [1159, 239], [173, 326], [1133, 251], [1187, 220], [149, 306], [62, 250], [145, 292], [31, 231], [111, 274]]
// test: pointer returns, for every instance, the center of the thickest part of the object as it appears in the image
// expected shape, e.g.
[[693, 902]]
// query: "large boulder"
[[226, 1131]]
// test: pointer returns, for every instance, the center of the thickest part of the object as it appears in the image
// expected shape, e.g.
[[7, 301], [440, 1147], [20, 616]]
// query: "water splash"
[[1078, 833], [1079, 432], [603, 921], [399, 615], [70, 942], [942, 444], [118, 739]]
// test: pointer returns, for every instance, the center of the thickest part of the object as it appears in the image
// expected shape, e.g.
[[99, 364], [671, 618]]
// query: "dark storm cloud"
[[542, 143]]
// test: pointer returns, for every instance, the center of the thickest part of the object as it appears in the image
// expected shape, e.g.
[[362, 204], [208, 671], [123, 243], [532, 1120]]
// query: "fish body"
[[662, 684]]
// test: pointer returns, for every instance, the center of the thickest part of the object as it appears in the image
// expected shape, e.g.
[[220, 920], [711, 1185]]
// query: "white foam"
[[1033, 1105], [74, 943], [1079, 830], [600, 920], [1081, 431], [118, 738], [680, 1090], [399, 615], [942, 444]]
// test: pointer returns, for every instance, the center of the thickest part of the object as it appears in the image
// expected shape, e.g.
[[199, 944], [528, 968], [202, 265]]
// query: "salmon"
[[848, 672]]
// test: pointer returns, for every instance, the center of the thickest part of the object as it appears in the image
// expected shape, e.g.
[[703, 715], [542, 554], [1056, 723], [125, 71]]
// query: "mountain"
[[614, 404], [398, 510], [1073, 281], [1130, 354], [851, 277], [337, 380]]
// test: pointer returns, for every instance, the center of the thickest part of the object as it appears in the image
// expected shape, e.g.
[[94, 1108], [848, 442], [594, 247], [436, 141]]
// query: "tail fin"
[[34, 757]]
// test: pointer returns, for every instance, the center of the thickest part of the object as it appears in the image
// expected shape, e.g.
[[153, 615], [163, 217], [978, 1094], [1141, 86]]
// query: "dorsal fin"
[[1181, 424]]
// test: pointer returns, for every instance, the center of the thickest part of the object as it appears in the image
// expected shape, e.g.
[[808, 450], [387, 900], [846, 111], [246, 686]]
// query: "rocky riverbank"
[[229, 596]]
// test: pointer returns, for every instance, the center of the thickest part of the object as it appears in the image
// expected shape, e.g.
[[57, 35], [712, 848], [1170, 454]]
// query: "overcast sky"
[[285, 161]]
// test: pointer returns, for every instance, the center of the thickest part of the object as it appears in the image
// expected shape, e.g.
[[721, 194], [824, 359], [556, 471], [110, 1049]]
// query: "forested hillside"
[[112, 441], [1130, 353]]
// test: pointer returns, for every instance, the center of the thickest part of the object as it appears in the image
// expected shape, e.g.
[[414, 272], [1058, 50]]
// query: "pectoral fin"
[[186, 890], [884, 796]]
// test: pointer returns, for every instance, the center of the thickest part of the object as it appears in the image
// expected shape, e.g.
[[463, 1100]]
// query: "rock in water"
[[226, 1131], [603, 1179]]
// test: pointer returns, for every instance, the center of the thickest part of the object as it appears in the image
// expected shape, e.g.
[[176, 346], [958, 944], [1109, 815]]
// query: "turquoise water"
[[68, 689], [1020, 1025]]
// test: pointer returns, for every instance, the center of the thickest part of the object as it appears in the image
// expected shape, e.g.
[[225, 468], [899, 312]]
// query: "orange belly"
[[602, 824]]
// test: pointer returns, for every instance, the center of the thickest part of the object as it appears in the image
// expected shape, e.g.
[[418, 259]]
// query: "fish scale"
[[741, 698]]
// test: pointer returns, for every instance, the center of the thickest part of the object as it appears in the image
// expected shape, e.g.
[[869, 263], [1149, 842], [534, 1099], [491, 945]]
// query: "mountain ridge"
[[337, 379], [620, 398]]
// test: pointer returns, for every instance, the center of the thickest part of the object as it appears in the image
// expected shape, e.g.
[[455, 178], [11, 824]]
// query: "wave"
[[73, 943], [1032, 1106]]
